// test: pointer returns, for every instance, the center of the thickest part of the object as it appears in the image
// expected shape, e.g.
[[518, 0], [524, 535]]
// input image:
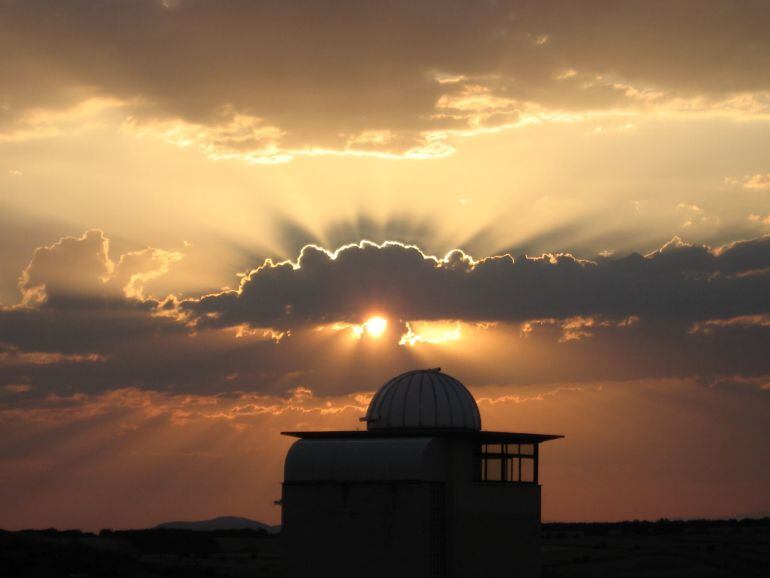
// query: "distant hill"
[[221, 523]]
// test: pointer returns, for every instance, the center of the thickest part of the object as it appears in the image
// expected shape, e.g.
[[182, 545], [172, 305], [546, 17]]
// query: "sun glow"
[[375, 326]]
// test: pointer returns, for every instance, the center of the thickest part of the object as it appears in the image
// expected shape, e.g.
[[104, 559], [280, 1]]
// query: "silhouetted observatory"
[[423, 492]]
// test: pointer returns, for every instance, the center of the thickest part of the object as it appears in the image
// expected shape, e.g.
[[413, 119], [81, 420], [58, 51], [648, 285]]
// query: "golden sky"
[[203, 204]]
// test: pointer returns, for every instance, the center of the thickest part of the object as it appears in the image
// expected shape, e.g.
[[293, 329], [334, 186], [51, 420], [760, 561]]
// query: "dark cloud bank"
[[678, 282], [86, 325]]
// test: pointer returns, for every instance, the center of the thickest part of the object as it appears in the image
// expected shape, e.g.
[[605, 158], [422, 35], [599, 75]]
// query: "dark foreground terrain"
[[682, 549], [139, 554]]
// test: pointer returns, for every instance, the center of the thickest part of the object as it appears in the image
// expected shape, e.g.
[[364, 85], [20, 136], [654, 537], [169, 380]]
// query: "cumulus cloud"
[[248, 80], [84, 324], [679, 281], [76, 300], [78, 268]]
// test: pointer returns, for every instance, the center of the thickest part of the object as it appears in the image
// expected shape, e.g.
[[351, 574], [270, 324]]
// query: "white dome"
[[420, 399]]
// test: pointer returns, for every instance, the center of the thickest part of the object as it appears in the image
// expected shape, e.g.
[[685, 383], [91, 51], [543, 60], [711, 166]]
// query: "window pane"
[[512, 449], [513, 469], [527, 470], [494, 470], [527, 449], [494, 449]]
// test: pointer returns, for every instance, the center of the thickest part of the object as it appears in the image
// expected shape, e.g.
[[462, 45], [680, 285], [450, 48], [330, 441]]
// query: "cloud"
[[12, 355], [267, 81], [78, 268], [574, 328], [679, 281], [695, 215], [741, 321], [68, 268], [754, 218], [76, 300], [751, 182], [86, 324], [757, 181]]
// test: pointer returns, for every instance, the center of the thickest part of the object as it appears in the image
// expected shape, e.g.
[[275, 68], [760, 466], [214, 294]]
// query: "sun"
[[376, 326]]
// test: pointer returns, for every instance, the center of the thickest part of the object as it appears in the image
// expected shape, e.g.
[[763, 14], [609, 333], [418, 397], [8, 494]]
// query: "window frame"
[[507, 453]]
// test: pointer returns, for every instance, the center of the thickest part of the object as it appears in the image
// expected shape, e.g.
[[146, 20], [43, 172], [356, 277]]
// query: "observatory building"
[[423, 492]]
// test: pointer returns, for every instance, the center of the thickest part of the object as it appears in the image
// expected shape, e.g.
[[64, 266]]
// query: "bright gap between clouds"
[[376, 326], [412, 332]]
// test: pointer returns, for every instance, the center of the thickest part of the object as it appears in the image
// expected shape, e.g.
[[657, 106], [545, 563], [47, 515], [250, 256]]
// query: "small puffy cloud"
[[753, 182], [757, 181], [696, 216], [754, 218]]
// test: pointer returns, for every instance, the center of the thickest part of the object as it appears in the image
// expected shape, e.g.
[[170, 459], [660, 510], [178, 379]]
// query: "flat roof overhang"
[[486, 437]]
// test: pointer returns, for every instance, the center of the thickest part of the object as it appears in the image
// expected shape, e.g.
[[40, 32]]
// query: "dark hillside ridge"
[[220, 523]]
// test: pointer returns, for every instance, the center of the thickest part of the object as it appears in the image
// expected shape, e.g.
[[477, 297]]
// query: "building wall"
[[389, 529], [494, 527], [457, 528]]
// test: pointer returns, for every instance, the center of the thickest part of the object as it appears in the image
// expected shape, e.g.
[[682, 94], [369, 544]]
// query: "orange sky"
[[202, 205]]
